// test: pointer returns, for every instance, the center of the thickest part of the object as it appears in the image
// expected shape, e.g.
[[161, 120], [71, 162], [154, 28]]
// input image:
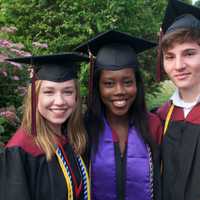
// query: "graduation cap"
[[56, 68], [115, 50], [180, 15], [177, 15]]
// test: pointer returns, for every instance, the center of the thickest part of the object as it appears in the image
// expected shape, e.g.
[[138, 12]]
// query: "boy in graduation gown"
[[181, 114]]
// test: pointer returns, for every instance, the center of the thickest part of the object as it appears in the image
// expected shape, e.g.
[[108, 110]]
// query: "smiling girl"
[[47, 164], [123, 134]]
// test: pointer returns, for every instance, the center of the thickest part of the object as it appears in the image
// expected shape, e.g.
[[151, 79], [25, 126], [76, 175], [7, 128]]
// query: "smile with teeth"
[[119, 103], [58, 110]]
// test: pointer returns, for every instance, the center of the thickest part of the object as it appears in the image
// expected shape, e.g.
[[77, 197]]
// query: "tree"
[[64, 24]]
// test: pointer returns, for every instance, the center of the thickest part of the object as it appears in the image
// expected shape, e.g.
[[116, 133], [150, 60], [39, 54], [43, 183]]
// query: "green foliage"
[[83, 79], [13, 78], [164, 92], [2, 121], [6, 129], [64, 24]]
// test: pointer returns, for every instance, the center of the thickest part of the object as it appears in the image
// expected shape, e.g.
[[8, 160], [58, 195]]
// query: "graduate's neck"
[[115, 120], [56, 128], [189, 94], [119, 124]]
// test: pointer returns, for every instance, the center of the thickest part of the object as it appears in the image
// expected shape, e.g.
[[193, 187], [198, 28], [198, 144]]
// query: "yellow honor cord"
[[168, 118], [67, 178]]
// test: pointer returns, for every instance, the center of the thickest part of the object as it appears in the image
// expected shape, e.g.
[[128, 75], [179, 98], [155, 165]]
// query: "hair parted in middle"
[[138, 114], [46, 138]]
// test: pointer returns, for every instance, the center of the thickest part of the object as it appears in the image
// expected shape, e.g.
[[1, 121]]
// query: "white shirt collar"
[[177, 101]]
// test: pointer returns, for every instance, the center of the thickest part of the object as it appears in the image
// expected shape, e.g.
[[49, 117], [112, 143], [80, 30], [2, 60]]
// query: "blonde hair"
[[46, 138], [179, 36]]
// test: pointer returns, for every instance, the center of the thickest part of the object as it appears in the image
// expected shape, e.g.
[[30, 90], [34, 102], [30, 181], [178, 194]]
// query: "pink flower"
[[24, 53], [17, 65], [6, 43], [4, 73], [10, 114], [40, 45], [10, 29], [18, 46], [27, 54], [2, 58], [18, 52], [16, 78]]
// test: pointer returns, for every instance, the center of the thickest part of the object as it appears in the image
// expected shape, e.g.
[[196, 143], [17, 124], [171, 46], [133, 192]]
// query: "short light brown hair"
[[179, 36]]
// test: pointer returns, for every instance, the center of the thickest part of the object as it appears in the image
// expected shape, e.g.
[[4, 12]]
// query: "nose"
[[119, 89], [179, 64], [59, 99]]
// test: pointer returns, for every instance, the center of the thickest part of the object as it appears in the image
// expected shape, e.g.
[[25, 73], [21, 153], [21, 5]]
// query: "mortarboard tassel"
[[33, 104], [91, 71], [159, 58]]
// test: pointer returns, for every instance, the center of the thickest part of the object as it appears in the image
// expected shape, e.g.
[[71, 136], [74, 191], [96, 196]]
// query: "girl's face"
[[117, 90], [56, 101]]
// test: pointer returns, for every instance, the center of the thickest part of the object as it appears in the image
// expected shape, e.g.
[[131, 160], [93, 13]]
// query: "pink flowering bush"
[[12, 78], [13, 81]]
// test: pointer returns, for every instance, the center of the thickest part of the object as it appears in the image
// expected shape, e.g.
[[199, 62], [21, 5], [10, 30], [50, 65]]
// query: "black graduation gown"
[[181, 154], [27, 175], [1, 176]]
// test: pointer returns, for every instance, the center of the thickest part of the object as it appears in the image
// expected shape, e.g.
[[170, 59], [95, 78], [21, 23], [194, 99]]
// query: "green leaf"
[[2, 130]]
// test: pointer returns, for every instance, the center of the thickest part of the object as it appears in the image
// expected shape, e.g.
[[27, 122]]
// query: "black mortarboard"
[[115, 50], [56, 67], [180, 15]]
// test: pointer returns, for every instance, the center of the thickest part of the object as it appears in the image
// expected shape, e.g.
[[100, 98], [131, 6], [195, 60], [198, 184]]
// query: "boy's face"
[[182, 64]]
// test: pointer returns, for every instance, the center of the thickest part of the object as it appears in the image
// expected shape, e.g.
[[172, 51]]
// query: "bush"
[[166, 89], [13, 81], [64, 24]]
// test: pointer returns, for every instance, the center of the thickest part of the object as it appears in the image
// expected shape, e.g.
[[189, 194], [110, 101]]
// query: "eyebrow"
[[50, 87]]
